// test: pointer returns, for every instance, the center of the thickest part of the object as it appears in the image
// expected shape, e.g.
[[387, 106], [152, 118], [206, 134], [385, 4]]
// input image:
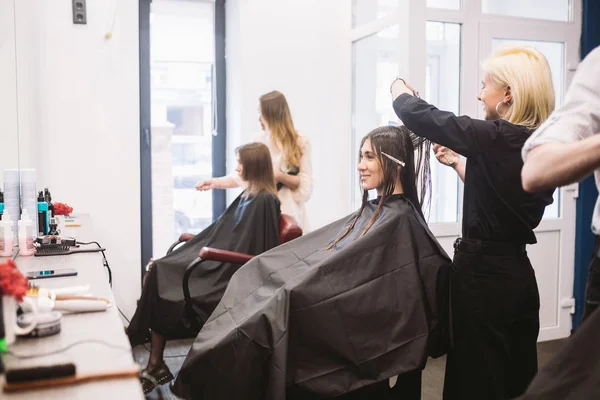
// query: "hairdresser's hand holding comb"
[[399, 86], [448, 157]]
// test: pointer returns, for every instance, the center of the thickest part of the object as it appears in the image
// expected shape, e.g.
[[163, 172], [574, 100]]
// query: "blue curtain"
[[584, 239]]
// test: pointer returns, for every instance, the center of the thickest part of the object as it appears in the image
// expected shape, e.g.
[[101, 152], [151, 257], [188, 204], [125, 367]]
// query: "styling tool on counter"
[[75, 303], [34, 291], [69, 290], [58, 375]]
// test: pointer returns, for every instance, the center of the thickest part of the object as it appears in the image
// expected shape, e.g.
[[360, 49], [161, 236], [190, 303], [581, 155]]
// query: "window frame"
[[218, 143]]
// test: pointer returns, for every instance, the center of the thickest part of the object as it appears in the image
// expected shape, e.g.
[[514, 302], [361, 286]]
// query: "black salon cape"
[[325, 322], [249, 225], [574, 372]]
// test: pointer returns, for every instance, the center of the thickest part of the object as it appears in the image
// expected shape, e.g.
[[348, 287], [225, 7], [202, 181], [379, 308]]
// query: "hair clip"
[[394, 159]]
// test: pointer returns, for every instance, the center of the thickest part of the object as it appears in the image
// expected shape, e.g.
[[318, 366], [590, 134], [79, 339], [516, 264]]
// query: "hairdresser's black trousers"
[[592, 291], [494, 322]]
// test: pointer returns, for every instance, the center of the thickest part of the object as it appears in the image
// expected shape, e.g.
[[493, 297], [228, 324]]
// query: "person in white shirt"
[[291, 154], [566, 148]]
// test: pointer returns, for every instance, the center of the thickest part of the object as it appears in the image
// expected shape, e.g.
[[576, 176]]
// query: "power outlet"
[[79, 12]]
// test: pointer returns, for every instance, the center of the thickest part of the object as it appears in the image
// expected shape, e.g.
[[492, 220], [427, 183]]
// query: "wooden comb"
[[58, 375]]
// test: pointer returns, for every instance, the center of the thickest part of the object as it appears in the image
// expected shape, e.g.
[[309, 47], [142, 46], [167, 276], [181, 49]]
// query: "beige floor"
[[433, 376]]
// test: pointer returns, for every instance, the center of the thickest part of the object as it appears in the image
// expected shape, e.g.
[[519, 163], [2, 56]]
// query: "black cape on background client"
[[249, 225], [325, 322]]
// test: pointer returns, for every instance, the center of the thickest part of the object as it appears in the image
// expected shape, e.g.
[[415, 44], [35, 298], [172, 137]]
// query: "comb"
[[58, 375]]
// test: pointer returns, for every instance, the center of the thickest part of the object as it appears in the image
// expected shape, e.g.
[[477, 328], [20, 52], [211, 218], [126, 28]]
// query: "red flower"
[[12, 281], [62, 209]]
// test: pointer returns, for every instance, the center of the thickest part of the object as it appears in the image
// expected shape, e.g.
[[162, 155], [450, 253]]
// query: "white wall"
[[79, 122], [301, 48], [9, 144]]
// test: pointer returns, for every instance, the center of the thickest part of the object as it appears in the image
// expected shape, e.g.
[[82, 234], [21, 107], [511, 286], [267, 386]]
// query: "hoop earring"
[[497, 111]]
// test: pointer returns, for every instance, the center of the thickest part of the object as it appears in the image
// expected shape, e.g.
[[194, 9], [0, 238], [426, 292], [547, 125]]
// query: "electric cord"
[[124, 316], [175, 356], [104, 260], [62, 350], [143, 373]]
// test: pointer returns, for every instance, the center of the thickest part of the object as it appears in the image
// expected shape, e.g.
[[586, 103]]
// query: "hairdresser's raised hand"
[[399, 86], [205, 185], [445, 156]]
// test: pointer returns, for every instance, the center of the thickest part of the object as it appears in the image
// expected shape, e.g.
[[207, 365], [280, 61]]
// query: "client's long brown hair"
[[257, 168], [402, 144]]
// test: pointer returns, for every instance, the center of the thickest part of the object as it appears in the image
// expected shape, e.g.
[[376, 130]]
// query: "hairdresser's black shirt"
[[496, 208]]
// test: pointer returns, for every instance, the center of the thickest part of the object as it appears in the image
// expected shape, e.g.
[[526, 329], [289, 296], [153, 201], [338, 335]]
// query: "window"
[[442, 88], [180, 113], [447, 4], [369, 10], [556, 10], [375, 61]]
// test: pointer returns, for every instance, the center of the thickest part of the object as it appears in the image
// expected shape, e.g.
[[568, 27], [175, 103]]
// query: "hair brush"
[[58, 375]]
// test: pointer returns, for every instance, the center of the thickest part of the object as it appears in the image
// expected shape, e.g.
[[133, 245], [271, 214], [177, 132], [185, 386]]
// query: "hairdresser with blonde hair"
[[291, 156], [494, 296]]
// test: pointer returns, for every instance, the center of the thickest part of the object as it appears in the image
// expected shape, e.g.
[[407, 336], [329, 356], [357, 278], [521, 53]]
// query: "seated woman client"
[[249, 225], [339, 311]]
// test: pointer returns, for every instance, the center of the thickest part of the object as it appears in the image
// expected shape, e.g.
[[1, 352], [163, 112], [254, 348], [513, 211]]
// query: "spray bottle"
[[26, 234], [7, 237]]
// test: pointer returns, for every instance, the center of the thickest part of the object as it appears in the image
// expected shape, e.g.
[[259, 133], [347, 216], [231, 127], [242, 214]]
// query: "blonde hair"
[[274, 109], [527, 73], [257, 169]]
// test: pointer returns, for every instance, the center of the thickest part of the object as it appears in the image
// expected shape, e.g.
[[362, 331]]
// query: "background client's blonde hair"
[[527, 72]]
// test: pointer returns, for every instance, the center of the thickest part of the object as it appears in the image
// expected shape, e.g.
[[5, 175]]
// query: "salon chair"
[[288, 231]]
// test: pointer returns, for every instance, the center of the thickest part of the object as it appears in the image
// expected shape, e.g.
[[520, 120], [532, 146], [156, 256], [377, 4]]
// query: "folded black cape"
[[326, 321], [249, 225]]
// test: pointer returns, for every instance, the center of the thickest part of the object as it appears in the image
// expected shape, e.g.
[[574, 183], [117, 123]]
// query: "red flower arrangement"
[[62, 209], [12, 281]]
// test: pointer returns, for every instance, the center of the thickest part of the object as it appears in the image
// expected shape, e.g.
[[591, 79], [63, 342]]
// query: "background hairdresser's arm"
[[462, 134], [305, 181], [224, 182], [290, 181], [301, 184], [558, 164]]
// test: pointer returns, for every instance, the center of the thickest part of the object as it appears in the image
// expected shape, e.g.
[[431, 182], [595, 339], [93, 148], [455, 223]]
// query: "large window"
[[182, 117]]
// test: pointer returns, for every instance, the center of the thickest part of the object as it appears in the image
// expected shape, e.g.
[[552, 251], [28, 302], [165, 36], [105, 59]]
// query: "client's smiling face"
[[371, 174]]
